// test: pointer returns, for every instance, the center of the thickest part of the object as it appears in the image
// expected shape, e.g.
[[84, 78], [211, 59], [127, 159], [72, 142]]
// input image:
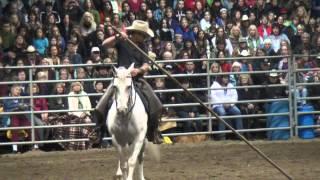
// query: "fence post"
[[208, 97], [31, 105], [295, 115], [292, 97]]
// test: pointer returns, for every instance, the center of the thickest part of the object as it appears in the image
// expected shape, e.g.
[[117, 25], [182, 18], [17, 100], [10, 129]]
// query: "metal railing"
[[293, 114]]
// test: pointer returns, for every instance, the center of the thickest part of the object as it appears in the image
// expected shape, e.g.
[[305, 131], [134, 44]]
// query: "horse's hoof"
[[117, 177]]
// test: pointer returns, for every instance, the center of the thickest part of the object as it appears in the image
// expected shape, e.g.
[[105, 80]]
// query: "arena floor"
[[204, 161]]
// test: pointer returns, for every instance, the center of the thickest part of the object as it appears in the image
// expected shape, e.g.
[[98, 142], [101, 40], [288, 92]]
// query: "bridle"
[[131, 101]]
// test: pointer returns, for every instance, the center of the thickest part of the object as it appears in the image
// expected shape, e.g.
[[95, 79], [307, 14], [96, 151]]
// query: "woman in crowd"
[[58, 103], [224, 97], [40, 42]]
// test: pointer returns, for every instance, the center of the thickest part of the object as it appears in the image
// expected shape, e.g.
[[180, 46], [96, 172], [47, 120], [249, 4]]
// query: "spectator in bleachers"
[[44, 15], [265, 27], [267, 47], [125, 9], [72, 54], [33, 22], [246, 65], [95, 55], [254, 40], [199, 9], [243, 46], [65, 27], [55, 32], [22, 76], [273, 92], [165, 32], [82, 74], [214, 68], [64, 74], [158, 13], [58, 103], [90, 69], [40, 42], [222, 19], [276, 37], [44, 88], [248, 108], [187, 111], [89, 7], [234, 78], [172, 21], [87, 24], [185, 30], [244, 25], [224, 100], [215, 8], [79, 100], [74, 10], [54, 57], [234, 37], [98, 88], [154, 25], [141, 14], [13, 105], [223, 38], [7, 36], [40, 119], [224, 64], [49, 72], [103, 71], [116, 22], [19, 45]]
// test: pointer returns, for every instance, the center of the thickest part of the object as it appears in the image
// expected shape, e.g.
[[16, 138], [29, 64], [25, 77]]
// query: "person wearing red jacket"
[[265, 28]]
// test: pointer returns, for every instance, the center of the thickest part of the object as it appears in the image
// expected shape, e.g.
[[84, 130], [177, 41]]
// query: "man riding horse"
[[127, 54]]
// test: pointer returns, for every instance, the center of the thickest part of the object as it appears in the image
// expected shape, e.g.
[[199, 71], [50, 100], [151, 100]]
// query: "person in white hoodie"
[[223, 100]]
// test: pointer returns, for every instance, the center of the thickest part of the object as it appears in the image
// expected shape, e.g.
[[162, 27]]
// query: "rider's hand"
[[122, 35], [135, 72]]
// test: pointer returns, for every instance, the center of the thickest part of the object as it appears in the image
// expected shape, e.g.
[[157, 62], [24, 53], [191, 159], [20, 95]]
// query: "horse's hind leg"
[[140, 163]]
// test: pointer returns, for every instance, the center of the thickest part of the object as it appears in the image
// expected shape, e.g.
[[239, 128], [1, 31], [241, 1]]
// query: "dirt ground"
[[203, 161]]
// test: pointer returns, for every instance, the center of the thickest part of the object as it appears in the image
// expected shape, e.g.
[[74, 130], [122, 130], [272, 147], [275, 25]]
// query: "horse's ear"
[[114, 71], [131, 67]]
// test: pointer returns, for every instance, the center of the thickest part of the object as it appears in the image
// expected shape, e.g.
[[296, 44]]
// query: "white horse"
[[127, 124]]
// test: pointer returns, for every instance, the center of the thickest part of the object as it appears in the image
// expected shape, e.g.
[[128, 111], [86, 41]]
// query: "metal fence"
[[207, 120]]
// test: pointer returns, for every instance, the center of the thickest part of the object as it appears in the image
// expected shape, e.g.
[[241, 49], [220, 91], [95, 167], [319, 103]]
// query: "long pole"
[[208, 109]]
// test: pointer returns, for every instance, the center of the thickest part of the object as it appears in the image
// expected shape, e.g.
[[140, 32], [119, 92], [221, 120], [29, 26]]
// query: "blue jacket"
[[186, 34]]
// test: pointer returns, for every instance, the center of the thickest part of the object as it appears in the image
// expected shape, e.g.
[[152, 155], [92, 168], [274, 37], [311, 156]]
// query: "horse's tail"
[[153, 150]]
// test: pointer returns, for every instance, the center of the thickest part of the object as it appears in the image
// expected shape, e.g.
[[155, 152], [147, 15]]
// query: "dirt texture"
[[204, 161]]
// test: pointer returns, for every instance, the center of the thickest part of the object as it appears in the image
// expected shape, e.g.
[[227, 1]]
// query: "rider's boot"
[[154, 134]]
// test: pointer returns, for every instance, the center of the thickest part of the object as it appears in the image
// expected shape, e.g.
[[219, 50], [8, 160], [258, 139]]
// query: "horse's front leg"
[[140, 162], [136, 149], [122, 164]]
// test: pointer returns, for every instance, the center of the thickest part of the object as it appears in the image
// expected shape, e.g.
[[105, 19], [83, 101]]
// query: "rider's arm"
[[111, 41]]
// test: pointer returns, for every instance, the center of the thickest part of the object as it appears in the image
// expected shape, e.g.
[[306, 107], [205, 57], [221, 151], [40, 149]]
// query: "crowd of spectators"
[[45, 32]]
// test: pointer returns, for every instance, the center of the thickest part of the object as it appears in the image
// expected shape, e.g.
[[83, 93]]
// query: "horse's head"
[[123, 85]]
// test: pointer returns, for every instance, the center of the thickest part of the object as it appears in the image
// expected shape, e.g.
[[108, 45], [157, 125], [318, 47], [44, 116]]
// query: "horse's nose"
[[122, 109]]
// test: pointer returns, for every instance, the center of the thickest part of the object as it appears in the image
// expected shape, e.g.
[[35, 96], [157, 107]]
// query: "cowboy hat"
[[273, 73], [31, 49], [236, 64], [244, 53], [141, 26], [244, 17]]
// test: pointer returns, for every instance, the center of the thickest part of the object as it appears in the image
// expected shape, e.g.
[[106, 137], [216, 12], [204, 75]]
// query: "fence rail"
[[291, 85]]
